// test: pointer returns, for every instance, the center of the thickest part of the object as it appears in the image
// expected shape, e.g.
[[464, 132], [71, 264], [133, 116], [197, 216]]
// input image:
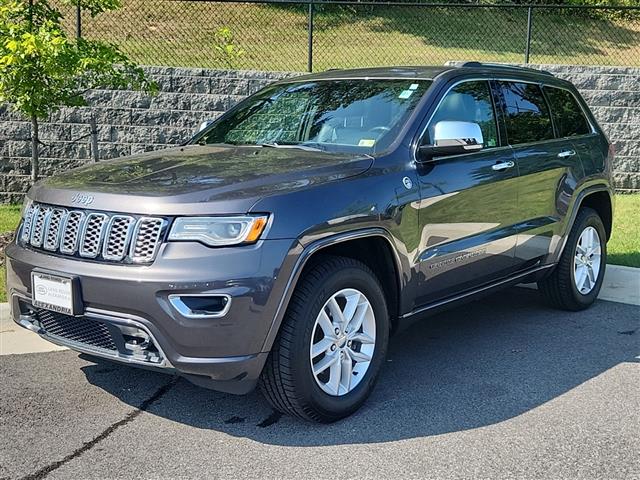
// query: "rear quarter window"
[[567, 114], [527, 116]]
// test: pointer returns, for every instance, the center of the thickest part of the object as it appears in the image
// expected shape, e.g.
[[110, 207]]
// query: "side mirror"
[[204, 125], [453, 138]]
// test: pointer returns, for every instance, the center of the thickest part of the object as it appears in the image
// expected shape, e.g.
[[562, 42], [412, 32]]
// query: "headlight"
[[26, 204], [219, 231]]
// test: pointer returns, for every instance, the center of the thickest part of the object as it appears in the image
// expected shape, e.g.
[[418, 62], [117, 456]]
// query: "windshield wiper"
[[293, 145]]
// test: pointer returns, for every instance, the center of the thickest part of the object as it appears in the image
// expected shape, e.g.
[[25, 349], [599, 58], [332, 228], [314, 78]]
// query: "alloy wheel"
[[587, 260], [343, 342]]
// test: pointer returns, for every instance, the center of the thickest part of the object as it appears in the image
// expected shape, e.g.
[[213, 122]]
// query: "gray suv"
[[284, 242]]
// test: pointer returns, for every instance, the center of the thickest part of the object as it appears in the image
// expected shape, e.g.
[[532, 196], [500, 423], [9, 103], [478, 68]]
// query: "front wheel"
[[331, 344], [577, 279]]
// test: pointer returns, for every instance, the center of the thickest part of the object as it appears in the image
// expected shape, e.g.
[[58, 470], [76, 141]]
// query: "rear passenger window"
[[527, 115], [567, 114]]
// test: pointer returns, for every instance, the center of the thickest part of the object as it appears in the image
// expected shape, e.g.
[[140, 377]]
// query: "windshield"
[[362, 115]]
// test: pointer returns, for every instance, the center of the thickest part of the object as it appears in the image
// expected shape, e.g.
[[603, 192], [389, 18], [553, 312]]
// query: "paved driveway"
[[499, 388]]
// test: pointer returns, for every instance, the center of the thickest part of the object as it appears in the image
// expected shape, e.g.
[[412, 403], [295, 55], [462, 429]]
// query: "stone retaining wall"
[[131, 122]]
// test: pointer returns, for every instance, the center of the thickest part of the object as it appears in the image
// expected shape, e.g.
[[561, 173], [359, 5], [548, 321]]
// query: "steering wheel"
[[381, 128]]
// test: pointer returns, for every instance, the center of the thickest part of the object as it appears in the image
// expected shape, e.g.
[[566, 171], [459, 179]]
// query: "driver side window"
[[468, 102]]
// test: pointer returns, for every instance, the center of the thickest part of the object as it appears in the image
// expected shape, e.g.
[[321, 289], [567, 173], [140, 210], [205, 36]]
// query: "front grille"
[[78, 329], [94, 235]]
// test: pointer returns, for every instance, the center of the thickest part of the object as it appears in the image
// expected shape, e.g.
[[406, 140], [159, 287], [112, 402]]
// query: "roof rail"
[[504, 66]]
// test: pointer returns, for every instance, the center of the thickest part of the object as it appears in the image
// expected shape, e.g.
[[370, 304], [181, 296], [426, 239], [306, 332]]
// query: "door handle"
[[567, 153], [499, 167]]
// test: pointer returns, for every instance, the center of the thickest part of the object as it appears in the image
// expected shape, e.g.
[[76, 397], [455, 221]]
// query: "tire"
[[288, 381], [559, 289]]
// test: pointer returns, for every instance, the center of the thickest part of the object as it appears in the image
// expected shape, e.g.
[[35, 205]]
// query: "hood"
[[181, 180]]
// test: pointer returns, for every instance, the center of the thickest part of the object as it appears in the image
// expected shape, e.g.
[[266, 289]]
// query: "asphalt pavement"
[[500, 388]]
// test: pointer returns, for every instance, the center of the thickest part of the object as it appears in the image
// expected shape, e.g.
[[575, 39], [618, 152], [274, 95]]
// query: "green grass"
[[163, 32], [9, 218], [623, 248]]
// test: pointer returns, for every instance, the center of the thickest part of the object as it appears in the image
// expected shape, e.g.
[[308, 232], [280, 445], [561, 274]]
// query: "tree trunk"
[[35, 144]]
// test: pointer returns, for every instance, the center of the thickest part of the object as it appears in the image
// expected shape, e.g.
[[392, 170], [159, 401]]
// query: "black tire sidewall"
[[590, 219], [330, 407]]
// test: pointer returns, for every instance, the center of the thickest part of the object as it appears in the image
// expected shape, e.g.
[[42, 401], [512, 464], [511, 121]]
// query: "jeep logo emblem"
[[82, 199]]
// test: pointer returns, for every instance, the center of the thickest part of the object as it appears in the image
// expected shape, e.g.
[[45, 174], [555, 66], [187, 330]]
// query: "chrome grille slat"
[[40, 218], [92, 235], [118, 237], [72, 226], [146, 239], [25, 234], [99, 236], [53, 230]]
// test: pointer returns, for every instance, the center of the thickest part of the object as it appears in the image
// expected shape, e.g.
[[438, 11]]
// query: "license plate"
[[53, 292]]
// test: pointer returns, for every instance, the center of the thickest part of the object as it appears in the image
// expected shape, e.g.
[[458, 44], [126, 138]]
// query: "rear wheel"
[[577, 279], [331, 344]]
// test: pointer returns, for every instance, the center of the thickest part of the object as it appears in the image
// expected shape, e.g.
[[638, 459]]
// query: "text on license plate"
[[52, 292]]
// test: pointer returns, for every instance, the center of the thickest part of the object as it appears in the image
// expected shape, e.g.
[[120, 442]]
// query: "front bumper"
[[226, 353]]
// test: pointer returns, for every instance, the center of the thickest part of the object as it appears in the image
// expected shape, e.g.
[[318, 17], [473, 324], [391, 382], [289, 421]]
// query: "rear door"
[[572, 124], [549, 169], [468, 203]]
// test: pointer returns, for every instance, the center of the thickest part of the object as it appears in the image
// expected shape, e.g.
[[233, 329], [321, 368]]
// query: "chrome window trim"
[[83, 236], [541, 84], [176, 302], [363, 77], [539, 142], [127, 238]]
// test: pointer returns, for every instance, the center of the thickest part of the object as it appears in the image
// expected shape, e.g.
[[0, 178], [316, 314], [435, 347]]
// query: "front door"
[[468, 205]]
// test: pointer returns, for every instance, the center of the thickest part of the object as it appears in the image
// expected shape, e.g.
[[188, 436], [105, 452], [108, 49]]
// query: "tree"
[[41, 69]]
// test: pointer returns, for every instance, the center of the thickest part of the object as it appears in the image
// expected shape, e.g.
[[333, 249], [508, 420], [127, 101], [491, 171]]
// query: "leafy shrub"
[[225, 48]]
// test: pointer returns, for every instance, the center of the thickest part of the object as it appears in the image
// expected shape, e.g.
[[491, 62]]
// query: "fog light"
[[135, 339]]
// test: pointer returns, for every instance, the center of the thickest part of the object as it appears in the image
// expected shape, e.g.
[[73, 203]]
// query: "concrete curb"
[[15, 340], [621, 284]]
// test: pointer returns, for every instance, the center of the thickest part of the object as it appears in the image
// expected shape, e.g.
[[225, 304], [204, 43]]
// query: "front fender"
[[304, 254]]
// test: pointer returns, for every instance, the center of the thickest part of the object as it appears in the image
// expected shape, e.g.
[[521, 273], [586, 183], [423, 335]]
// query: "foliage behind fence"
[[288, 35]]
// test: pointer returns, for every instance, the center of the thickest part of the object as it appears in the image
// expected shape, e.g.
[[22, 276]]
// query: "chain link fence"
[[318, 35]]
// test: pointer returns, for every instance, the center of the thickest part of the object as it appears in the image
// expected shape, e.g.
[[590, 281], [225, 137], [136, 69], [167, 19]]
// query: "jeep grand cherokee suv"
[[283, 243]]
